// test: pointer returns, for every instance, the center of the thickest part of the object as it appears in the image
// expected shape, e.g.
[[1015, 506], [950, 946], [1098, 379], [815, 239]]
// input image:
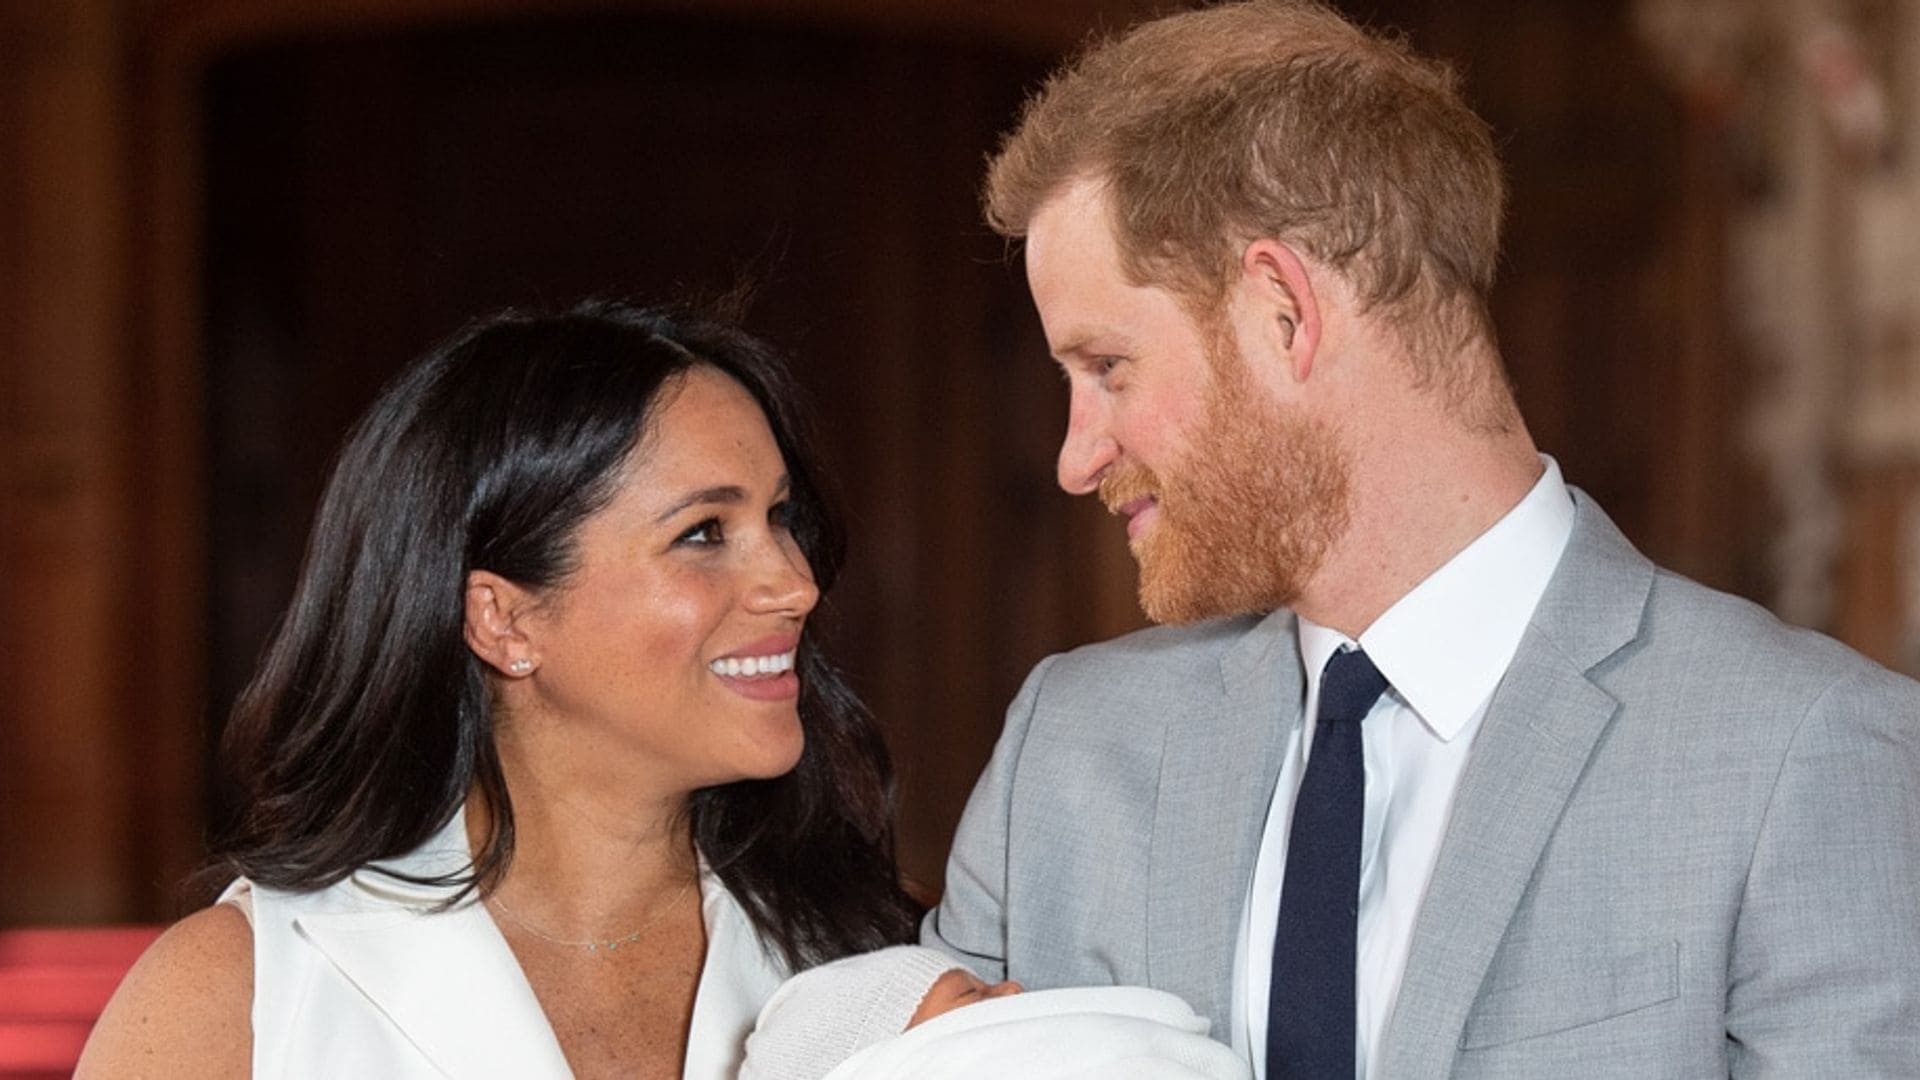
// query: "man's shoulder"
[[1717, 622], [1612, 607], [1742, 650], [1162, 654]]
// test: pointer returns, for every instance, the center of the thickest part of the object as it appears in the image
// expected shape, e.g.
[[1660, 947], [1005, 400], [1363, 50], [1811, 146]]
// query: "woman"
[[543, 771]]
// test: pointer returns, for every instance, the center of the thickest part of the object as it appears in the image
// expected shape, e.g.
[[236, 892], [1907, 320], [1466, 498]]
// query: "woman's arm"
[[185, 1008]]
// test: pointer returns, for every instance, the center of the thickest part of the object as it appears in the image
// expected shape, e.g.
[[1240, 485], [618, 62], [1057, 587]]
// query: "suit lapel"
[[1541, 726], [1218, 767]]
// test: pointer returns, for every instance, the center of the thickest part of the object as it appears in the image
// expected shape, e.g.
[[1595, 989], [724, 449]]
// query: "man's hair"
[[1273, 118]]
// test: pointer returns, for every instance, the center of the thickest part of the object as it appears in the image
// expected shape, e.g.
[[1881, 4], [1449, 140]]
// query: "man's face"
[[1231, 497]]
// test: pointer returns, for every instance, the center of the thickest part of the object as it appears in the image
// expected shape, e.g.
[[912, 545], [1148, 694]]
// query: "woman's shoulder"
[[184, 1008]]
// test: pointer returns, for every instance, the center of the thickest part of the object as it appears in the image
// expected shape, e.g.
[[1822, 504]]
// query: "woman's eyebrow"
[[720, 495], [724, 495]]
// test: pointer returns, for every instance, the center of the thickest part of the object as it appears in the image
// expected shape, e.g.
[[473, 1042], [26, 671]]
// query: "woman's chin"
[[769, 753]]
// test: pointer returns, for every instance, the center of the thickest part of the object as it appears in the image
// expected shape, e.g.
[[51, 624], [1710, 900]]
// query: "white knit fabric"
[[1076, 1033], [822, 1016]]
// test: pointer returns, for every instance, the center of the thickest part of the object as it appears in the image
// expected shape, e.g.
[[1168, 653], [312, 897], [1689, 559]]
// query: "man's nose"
[[1087, 449]]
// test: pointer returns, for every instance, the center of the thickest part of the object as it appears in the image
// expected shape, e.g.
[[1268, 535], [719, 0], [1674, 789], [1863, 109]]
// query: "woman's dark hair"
[[369, 721]]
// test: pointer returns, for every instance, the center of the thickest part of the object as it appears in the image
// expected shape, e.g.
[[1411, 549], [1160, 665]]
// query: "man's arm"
[[971, 920], [1825, 966]]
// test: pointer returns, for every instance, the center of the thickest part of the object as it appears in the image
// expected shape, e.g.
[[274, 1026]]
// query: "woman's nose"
[[785, 582]]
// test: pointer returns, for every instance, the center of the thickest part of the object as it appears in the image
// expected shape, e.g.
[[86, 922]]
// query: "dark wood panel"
[[64, 754], [1611, 302], [369, 194], [320, 187]]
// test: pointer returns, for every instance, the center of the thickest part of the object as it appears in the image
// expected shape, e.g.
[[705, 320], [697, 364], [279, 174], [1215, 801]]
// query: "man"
[[1435, 775]]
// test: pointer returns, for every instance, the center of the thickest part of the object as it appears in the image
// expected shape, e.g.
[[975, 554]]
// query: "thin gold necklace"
[[594, 945]]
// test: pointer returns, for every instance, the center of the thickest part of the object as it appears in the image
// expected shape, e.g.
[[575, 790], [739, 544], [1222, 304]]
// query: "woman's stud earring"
[[520, 666]]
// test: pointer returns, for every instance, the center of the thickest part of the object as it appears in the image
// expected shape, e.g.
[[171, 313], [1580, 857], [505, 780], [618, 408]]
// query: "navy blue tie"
[[1310, 1005]]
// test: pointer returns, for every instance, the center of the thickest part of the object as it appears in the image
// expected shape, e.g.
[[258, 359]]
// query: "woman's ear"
[[496, 610], [1279, 285]]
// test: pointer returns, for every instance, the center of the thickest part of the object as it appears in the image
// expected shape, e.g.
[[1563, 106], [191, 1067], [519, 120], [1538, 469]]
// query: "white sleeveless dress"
[[364, 978]]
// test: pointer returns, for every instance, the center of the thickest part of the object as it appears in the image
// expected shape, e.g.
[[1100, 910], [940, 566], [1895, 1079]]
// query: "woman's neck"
[[590, 854]]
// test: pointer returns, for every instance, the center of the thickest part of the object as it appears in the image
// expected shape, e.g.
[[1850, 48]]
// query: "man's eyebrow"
[[1081, 345], [1074, 346], [719, 495]]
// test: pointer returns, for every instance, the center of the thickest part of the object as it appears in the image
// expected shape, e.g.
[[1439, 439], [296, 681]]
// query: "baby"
[[898, 1012]]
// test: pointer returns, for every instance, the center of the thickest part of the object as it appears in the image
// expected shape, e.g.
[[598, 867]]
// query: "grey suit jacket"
[[1687, 842]]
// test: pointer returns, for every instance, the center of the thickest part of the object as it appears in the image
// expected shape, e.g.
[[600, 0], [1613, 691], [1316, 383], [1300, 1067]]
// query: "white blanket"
[[1109, 1033]]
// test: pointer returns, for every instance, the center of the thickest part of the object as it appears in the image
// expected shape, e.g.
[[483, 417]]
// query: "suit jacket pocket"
[[1586, 991]]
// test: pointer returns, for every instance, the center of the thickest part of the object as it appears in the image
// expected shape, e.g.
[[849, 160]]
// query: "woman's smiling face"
[[675, 634]]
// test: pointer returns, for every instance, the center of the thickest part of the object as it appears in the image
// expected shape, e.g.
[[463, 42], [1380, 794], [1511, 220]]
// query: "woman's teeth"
[[748, 667]]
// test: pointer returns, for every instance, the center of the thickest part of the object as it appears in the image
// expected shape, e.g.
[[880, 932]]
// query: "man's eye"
[[707, 532], [1103, 365]]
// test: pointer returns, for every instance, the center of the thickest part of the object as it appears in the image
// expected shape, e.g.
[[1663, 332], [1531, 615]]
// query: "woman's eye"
[[707, 532], [780, 515]]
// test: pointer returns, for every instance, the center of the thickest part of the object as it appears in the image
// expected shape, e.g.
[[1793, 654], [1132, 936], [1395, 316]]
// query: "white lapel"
[[446, 979], [738, 977]]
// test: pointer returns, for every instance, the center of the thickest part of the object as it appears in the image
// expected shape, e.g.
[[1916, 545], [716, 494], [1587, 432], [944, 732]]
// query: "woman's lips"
[[782, 687], [762, 671]]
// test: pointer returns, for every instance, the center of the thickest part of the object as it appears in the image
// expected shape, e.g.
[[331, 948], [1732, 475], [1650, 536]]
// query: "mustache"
[[1125, 483]]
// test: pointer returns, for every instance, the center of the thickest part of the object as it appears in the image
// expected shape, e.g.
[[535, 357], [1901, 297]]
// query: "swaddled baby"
[[899, 1012]]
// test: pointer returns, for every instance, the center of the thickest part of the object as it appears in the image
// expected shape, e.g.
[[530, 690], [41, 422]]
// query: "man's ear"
[[1285, 307], [496, 613]]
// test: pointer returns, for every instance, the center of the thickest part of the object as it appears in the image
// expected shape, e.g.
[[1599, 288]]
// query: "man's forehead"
[[1079, 210]]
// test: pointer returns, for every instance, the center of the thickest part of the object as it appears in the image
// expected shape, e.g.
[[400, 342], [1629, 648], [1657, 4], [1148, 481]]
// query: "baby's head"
[[956, 988], [822, 1016]]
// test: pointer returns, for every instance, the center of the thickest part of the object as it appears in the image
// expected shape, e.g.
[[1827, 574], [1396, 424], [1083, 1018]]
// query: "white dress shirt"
[[1444, 648]]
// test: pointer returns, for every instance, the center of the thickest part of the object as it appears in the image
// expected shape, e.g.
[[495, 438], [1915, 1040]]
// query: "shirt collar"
[[1445, 645]]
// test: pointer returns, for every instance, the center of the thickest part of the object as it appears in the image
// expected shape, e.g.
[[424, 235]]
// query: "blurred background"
[[224, 223]]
